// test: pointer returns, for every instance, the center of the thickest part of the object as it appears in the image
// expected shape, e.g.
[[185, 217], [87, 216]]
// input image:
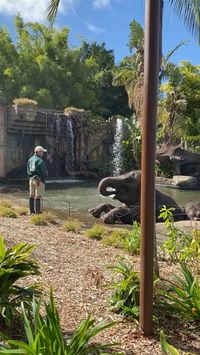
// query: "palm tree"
[[187, 10]]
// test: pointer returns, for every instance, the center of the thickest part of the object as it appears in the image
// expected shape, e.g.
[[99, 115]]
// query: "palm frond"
[[189, 12], [52, 10]]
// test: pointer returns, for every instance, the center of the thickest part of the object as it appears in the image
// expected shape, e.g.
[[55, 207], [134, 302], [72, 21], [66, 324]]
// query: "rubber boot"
[[37, 206], [31, 205]]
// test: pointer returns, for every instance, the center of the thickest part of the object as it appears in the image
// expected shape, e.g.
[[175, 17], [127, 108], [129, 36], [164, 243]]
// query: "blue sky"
[[103, 21]]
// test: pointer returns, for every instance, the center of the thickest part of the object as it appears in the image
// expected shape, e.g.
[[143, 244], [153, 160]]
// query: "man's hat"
[[39, 148]]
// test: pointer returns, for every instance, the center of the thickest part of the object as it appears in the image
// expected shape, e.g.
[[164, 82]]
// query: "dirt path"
[[76, 268]]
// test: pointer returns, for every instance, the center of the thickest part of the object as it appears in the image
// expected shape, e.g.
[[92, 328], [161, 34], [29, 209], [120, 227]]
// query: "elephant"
[[192, 210], [126, 189]]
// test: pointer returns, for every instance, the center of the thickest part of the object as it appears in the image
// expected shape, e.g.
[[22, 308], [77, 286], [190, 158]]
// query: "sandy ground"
[[76, 268]]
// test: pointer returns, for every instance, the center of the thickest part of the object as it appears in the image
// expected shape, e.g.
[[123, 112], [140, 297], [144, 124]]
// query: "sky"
[[103, 21]]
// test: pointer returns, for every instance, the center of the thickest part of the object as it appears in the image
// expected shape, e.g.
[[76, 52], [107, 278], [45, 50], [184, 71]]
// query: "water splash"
[[70, 143], [117, 148]]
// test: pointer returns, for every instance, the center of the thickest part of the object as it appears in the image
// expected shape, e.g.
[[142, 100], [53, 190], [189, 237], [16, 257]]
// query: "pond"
[[82, 194]]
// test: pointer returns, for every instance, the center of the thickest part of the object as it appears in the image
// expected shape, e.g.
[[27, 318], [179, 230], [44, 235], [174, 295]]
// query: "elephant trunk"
[[108, 182]]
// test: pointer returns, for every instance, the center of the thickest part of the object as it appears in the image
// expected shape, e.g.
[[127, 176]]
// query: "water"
[[117, 148], [70, 144], [81, 195]]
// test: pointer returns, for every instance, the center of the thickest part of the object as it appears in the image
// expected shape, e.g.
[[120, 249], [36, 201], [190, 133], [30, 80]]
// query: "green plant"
[[132, 240], [6, 203], [50, 218], [21, 211], [96, 232], [116, 238], [183, 296], [15, 264], [7, 212], [167, 348], [47, 336], [125, 298], [39, 220], [72, 226], [181, 246]]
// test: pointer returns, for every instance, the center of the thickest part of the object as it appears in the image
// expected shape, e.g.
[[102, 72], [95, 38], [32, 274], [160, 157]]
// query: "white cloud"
[[33, 10], [94, 28], [101, 3]]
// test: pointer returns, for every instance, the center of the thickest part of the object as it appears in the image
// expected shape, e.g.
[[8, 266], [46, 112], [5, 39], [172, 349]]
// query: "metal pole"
[[151, 65]]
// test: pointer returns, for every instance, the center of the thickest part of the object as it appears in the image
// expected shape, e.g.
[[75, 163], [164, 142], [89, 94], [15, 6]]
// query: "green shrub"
[[39, 220], [21, 211], [6, 203], [50, 218], [96, 232], [183, 296], [7, 212], [132, 240], [47, 336], [116, 238], [181, 246], [167, 348], [72, 226], [15, 264], [125, 298]]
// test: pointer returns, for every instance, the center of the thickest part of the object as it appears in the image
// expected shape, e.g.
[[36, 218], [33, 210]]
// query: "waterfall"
[[117, 148], [70, 143]]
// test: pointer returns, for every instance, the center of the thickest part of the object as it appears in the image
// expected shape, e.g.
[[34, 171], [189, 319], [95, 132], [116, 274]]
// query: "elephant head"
[[125, 188]]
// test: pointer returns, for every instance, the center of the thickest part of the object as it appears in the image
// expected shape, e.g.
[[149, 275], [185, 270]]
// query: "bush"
[[125, 298], [166, 347], [15, 264], [116, 239], [47, 336], [21, 211], [72, 226], [50, 218], [132, 240], [39, 220], [6, 203], [7, 212], [96, 232], [24, 101], [183, 296]]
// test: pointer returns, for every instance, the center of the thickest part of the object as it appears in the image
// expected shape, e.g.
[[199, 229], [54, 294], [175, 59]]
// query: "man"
[[37, 173]]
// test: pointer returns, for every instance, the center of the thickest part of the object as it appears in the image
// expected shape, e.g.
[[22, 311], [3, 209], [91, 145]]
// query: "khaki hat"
[[39, 148]]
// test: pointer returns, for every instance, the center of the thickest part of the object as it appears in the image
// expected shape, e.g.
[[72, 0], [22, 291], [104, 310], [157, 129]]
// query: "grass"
[[39, 220], [116, 238], [21, 211], [7, 212], [24, 101], [50, 218], [96, 232], [6, 203], [72, 225]]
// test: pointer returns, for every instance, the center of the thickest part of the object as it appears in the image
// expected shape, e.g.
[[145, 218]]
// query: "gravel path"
[[76, 268]]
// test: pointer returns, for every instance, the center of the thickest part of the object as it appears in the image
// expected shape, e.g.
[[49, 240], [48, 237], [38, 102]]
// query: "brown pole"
[[151, 65]]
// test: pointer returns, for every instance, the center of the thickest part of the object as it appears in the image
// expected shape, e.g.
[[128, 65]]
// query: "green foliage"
[[136, 37], [21, 211], [167, 348], [47, 336], [132, 143], [72, 225], [41, 66], [183, 296], [15, 264], [125, 298], [50, 218], [116, 238], [132, 240], [7, 212], [96, 232], [181, 246], [39, 220]]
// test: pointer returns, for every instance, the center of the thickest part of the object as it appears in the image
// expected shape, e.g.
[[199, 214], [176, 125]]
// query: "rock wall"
[[76, 144]]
